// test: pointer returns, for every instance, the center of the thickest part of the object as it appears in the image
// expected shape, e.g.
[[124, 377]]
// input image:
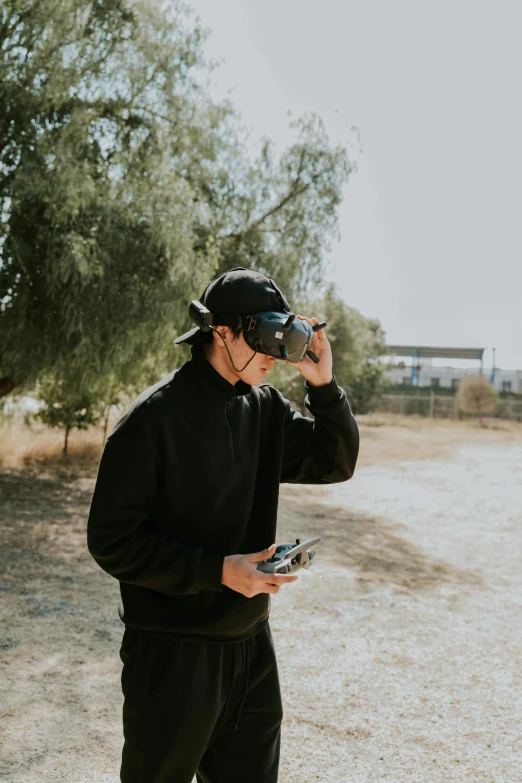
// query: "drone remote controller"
[[289, 557]]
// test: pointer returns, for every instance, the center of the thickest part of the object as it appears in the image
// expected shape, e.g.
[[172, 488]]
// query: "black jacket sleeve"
[[322, 450], [120, 536]]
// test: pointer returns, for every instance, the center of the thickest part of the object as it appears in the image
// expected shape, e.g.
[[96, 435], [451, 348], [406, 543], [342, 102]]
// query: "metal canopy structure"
[[416, 352], [428, 352]]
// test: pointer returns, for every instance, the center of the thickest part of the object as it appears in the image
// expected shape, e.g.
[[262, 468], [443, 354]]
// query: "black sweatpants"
[[195, 708]]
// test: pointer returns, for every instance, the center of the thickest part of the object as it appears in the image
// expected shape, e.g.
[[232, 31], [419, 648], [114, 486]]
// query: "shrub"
[[476, 396]]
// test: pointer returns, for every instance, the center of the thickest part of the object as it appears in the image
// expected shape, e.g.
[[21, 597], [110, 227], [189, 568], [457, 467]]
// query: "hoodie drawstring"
[[230, 434]]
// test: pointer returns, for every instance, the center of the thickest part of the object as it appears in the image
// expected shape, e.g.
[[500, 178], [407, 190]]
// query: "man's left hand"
[[316, 374]]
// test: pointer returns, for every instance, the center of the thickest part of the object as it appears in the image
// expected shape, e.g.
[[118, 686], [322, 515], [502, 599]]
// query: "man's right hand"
[[240, 573]]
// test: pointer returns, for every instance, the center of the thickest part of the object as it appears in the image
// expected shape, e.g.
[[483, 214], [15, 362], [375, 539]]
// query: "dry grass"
[[392, 438], [417, 423], [385, 438], [37, 446]]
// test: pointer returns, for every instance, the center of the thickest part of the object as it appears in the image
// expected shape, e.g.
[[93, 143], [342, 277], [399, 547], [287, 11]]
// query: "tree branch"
[[293, 193]]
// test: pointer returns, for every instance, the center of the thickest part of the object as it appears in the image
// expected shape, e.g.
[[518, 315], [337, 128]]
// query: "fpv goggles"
[[280, 335]]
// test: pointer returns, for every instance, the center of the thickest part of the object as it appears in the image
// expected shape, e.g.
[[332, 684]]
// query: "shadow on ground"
[[363, 544], [42, 518], [45, 518], [60, 631]]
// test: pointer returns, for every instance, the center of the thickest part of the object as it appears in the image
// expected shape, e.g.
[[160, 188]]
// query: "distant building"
[[411, 365]]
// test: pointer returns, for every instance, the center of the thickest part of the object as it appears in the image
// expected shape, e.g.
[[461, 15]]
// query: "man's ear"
[[223, 331]]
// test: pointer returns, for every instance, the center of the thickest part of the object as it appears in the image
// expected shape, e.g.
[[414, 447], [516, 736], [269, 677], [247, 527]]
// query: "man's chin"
[[258, 377]]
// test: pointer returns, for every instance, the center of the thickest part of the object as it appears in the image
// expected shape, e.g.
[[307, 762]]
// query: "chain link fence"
[[441, 406]]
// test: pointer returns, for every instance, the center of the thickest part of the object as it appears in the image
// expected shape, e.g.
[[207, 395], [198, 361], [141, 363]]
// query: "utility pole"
[[492, 378]]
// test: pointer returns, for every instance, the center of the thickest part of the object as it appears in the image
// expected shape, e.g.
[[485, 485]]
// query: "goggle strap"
[[227, 319]]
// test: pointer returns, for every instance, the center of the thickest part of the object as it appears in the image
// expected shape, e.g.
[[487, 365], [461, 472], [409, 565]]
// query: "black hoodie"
[[191, 474]]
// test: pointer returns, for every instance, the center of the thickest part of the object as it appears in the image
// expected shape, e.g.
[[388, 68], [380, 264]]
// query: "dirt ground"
[[399, 652]]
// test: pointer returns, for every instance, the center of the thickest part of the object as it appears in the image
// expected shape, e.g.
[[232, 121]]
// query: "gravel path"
[[399, 652], [414, 675]]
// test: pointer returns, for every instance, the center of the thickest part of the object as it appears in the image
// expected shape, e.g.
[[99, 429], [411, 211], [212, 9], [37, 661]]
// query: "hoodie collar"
[[215, 382]]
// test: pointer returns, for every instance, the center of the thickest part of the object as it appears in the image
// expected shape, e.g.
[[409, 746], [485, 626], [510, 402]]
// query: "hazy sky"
[[432, 220]]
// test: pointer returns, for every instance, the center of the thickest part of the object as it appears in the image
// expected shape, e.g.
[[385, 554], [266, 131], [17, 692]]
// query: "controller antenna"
[[312, 356]]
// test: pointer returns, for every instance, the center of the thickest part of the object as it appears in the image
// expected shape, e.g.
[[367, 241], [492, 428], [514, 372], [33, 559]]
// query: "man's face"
[[256, 370]]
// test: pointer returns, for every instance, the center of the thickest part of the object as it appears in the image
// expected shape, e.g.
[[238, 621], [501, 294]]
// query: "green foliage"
[[97, 252], [279, 216], [64, 406], [477, 396], [357, 343], [124, 189]]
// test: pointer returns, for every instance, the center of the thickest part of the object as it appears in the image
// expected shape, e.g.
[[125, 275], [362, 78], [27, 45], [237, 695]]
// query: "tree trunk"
[[6, 385], [66, 442], [106, 422]]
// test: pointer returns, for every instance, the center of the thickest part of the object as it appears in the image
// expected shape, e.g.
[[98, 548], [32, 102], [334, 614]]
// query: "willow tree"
[[279, 215], [124, 188], [100, 114]]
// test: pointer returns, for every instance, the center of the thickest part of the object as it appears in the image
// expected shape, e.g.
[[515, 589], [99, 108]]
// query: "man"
[[184, 508]]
